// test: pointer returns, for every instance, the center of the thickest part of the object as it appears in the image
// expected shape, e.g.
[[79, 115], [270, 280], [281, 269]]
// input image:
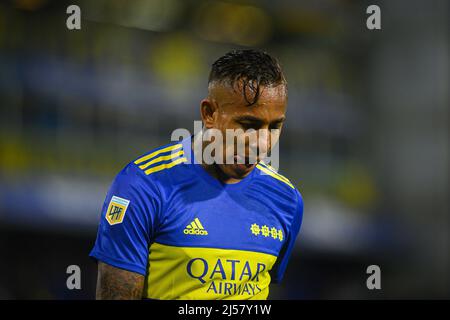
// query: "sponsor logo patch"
[[195, 228], [116, 210]]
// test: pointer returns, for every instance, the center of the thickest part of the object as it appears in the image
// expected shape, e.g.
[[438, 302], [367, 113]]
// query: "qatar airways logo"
[[227, 276], [235, 146]]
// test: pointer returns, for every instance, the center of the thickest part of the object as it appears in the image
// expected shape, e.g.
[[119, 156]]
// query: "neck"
[[212, 169]]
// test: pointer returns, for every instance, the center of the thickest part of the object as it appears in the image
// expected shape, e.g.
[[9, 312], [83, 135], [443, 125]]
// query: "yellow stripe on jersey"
[[165, 166], [207, 273], [157, 152], [269, 167], [162, 158], [274, 175], [274, 171]]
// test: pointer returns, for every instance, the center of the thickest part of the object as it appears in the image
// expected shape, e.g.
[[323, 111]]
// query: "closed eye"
[[250, 125]]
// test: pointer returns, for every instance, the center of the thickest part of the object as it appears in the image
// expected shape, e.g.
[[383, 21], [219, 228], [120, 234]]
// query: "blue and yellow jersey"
[[193, 237]]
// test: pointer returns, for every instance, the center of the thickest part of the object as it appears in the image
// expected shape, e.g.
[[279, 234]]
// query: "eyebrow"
[[258, 120]]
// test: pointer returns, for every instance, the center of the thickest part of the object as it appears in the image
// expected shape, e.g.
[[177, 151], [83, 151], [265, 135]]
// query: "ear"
[[208, 111]]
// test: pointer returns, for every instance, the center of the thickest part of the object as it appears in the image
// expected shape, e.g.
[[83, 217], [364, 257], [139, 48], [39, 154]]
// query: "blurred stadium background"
[[366, 140]]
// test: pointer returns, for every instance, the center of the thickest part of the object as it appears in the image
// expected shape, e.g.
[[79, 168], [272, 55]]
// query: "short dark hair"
[[254, 68]]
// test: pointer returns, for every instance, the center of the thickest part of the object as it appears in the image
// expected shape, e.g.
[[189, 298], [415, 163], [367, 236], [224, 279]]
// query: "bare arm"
[[118, 284]]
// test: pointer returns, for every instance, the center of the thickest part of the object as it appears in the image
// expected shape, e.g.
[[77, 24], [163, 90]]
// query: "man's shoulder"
[[272, 180], [281, 191], [156, 162]]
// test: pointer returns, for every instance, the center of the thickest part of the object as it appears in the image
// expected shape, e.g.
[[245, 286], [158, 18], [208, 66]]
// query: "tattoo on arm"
[[117, 284]]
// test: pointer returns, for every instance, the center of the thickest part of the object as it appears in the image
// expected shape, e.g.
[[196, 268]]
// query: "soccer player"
[[175, 227]]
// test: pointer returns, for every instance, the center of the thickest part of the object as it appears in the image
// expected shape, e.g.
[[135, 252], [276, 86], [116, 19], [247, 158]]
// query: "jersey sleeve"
[[128, 222], [277, 272]]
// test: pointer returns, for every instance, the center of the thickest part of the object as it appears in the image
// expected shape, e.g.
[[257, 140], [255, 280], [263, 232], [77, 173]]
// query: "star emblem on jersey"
[[267, 232], [195, 228], [255, 229]]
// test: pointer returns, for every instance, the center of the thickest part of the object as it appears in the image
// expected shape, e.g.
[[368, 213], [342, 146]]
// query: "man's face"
[[226, 109]]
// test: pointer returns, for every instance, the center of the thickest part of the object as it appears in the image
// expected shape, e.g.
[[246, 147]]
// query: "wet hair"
[[251, 67]]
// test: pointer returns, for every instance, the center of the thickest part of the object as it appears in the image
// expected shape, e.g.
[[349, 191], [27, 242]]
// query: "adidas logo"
[[195, 228]]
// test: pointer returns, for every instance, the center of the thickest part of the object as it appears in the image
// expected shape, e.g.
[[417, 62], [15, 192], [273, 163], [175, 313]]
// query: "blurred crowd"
[[366, 140]]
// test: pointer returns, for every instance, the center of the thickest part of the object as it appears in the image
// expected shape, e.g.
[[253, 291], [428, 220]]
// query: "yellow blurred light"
[[232, 23], [29, 4], [151, 15], [356, 187], [176, 59]]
